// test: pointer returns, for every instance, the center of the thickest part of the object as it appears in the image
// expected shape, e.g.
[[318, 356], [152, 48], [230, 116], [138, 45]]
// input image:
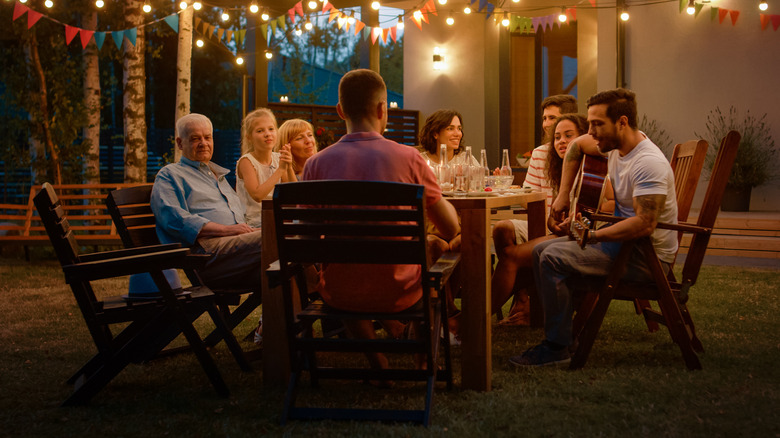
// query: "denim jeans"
[[560, 263]]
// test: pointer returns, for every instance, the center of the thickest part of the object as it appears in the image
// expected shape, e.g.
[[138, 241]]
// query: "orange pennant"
[[197, 24], [764, 21], [374, 35], [334, 14], [327, 6], [359, 25], [734, 16], [385, 31], [425, 17], [722, 14], [393, 31], [86, 35], [32, 18], [431, 7], [220, 32], [417, 22]]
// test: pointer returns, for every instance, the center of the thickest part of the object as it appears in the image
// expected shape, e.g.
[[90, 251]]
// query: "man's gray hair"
[[184, 124]]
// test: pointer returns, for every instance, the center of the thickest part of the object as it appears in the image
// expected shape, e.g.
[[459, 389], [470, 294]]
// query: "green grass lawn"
[[635, 382]]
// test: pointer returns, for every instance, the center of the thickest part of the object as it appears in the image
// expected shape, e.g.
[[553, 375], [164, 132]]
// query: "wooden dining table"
[[475, 331]]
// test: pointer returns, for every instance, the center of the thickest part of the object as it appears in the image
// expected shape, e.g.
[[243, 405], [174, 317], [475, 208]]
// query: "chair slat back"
[[56, 224], [721, 170], [132, 215], [338, 221], [687, 163]]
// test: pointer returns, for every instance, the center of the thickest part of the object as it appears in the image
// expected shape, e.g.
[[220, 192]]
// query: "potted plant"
[[755, 164]]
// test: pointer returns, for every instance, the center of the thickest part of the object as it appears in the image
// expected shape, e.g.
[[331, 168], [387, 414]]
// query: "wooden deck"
[[738, 234]]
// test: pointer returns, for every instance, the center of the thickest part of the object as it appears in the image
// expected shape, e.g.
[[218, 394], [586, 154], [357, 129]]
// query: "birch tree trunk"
[[41, 95], [91, 132], [134, 96], [183, 69]]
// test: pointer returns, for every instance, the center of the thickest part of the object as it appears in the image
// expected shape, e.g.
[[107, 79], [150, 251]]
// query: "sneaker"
[[541, 355], [259, 334]]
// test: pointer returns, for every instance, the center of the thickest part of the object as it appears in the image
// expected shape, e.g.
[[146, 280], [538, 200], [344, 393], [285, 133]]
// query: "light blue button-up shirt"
[[186, 195]]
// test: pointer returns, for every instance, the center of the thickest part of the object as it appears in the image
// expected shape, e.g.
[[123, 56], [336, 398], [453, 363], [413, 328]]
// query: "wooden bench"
[[751, 234], [84, 206]]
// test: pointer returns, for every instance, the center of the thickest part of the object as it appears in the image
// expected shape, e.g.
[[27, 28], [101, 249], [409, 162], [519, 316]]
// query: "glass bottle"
[[506, 168], [445, 173], [484, 170]]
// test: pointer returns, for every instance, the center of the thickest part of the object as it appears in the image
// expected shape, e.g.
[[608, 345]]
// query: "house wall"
[[682, 67]]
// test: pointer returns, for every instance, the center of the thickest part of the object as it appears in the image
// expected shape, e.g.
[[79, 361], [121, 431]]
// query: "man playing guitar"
[[643, 183]]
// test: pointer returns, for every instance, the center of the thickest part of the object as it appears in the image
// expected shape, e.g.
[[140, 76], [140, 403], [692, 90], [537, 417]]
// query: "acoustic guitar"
[[589, 191]]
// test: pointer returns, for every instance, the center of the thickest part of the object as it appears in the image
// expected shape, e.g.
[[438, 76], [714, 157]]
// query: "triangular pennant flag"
[[118, 36], [683, 4], [327, 6], [70, 32], [32, 18], [273, 27], [572, 13], [220, 32], [86, 35], [263, 29], [299, 9], [482, 4], [100, 37], [341, 22], [775, 22], [334, 14], [490, 8], [393, 32], [535, 21], [417, 21], [713, 13], [131, 35], [734, 16], [593, 3], [374, 35], [514, 21], [229, 34], [366, 34], [197, 23], [385, 31], [359, 26], [240, 34], [764, 21], [697, 7], [558, 22], [431, 7], [19, 10], [282, 23], [173, 21], [346, 25], [722, 14], [546, 22], [291, 13], [210, 28]]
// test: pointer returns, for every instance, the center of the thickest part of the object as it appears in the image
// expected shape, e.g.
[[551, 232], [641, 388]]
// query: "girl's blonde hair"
[[288, 131], [248, 124]]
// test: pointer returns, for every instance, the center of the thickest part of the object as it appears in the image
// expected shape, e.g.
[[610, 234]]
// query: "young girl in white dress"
[[260, 168]]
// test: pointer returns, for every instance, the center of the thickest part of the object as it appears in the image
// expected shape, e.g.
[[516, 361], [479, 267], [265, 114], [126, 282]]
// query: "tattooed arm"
[[647, 208]]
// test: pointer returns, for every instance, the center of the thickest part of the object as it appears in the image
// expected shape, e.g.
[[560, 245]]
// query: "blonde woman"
[[260, 168], [298, 135]]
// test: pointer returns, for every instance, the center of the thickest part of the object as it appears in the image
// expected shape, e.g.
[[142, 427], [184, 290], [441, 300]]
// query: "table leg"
[[475, 330]]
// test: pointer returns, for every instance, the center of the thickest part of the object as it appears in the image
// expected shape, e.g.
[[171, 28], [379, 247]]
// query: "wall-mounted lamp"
[[439, 62]]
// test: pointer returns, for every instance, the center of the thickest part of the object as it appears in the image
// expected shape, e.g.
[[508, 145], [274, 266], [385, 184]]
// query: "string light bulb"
[[48, 3], [266, 14], [147, 7], [400, 24], [199, 42], [197, 6], [225, 15], [624, 15], [298, 31], [239, 60], [515, 1], [308, 24], [417, 15], [25, 1], [98, 3], [312, 4], [562, 16], [450, 19], [253, 8], [467, 8], [763, 5], [691, 8], [183, 5], [268, 54], [375, 5], [442, 2], [351, 18], [505, 20]]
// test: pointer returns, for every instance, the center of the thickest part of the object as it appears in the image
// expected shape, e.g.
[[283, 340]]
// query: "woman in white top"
[[260, 168], [298, 134]]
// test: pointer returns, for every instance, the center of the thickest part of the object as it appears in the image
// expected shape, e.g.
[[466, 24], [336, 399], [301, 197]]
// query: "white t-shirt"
[[253, 213], [645, 171]]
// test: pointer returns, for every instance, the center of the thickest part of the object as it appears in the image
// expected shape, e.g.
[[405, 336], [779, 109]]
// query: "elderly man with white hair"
[[195, 205]]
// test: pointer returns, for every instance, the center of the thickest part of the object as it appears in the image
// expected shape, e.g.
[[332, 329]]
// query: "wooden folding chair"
[[153, 323], [135, 223], [358, 222], [671, 295]]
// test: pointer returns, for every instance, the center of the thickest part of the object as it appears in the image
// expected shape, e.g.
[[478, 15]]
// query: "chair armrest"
[[134, 264], [684, 227], [95, 256], [440, 272]]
